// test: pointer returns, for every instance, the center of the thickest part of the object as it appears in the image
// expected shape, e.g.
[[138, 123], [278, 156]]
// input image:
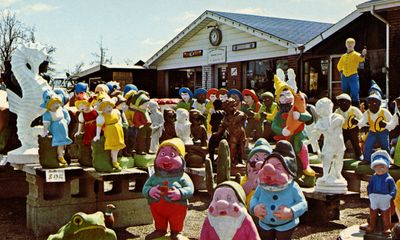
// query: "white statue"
[[157, 125], [330, 125], [182, 126], [27, 108], [292, 79]]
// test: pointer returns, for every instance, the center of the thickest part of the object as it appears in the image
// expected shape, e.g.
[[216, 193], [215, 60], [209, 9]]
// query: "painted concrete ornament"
[[330, 125], [182, 125], [27, 108], [84, 226]]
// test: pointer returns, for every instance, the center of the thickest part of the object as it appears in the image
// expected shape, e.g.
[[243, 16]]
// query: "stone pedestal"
[[354, 233], [12, 183], [26, 156], [198, 176], [338, 187]]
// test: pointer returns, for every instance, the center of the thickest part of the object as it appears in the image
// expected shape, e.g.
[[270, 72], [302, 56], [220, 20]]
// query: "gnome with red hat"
[[251, 109]]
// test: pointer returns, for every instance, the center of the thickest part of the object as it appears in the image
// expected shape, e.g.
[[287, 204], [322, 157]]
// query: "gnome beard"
[[226, 226]]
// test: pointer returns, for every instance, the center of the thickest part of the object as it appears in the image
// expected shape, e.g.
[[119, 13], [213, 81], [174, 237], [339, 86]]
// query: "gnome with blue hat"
[[55, 122], [377, 119], [381, 190], [186, 101], [200, 102]]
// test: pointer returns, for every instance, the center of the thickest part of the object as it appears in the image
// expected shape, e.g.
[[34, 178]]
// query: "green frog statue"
[[84, 226]]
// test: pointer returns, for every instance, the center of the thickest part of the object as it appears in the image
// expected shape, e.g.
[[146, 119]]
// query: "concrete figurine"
[[187, 101], [182, 125], [157, 125], [251, 109], [169, 125], [55, 122], [227, 216], [27, 108], [168, 190], [330, 125], [348, 66], [278, 201]]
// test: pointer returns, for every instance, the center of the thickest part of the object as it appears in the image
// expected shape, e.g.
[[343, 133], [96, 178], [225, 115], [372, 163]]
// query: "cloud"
[[39, 7], [7, 3], [153, 42], [254, 11]]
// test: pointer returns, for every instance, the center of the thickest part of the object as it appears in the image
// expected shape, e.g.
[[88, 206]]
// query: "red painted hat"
[[250, 92], [222, 91], [211, 91]]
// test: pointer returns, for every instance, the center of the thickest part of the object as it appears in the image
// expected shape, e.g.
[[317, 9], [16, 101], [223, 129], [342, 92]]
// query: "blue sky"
[[134, 29]]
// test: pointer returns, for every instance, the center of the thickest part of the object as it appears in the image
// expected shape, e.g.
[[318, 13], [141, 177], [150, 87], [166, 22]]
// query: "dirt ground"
[[13, 223]]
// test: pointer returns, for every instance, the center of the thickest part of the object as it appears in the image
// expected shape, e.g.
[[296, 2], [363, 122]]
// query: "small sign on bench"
[[55, 175]]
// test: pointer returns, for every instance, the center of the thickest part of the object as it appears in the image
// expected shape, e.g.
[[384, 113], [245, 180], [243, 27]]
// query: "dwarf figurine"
[[215, 123], [261, 150], [87, 118], [182, 125], [131, 132], [329, 124], [168, 190], [251, 109], [169, 125], [381, 190], [237, 95], [377, 118], [278, 201], [141, 121], [157, 125], [348, 66], [200, 102], [109, 121], [227, 216], [211, 97], [101, 88], [285, 98], [352, 116], [222, 94], [187, 101], [55, 122], [268, 110], [197, 129]]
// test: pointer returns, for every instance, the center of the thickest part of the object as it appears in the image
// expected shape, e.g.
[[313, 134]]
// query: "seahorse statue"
[[27, 108]]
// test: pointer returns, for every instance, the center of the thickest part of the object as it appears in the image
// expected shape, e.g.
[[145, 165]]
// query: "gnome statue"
[[227, 216], [278, 201], [251, 109], [289, 121], [187, 101], [157, 125], [330, 125], [168, 190]]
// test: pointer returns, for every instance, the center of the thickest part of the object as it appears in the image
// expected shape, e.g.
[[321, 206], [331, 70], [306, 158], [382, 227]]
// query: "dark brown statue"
[[169, 125], [197, 128]]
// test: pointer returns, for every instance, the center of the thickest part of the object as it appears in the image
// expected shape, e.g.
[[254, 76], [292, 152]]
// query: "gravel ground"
[[13, 224]]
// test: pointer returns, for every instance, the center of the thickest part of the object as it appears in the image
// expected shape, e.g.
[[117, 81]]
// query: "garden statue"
[[87, 127], [157, 125], [278, 201], [227, 217], [182, 126], [377, 118], [101, 88], [381, 190], [215, 123], [200, 102], [348, 66], [268, 110], [211, 97], [237, 95], [84, 226], [261, 150], [113, 88], [197, 152], [222, 94], [169, 125], [330, 125], [395, 122], [131, 131], [252, 111], [233, 123], [27, 107], [352, 116], [187, 101], [55, 122], [141, 121], [109, 121], [168, 190], [289, 121]]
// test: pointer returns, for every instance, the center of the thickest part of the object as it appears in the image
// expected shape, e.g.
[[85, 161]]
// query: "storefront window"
[[316, 78], [190, 78], [259, 75]]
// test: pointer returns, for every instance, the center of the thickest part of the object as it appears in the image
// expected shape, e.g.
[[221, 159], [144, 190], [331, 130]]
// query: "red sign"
[[194, 53]]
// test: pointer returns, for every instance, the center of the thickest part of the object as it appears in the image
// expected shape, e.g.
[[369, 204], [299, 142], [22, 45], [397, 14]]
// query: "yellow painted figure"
[[397, 199]]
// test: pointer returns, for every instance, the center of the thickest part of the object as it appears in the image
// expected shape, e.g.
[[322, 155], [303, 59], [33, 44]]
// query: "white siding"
[[231, 36]]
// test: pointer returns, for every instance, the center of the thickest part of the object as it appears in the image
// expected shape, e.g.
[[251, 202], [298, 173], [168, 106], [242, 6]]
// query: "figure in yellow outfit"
[[110, 122], [347, 66]]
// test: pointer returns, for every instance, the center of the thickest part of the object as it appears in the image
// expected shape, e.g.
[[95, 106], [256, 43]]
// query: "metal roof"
[[295, 31], [110, 66]]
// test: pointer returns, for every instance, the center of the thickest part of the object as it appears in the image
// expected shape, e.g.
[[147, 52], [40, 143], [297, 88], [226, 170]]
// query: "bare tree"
[[129, 62], [101, 56], [12, 33]]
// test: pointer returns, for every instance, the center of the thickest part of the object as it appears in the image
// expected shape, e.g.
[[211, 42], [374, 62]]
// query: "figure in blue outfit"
[[381, 191], [55, 122]]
